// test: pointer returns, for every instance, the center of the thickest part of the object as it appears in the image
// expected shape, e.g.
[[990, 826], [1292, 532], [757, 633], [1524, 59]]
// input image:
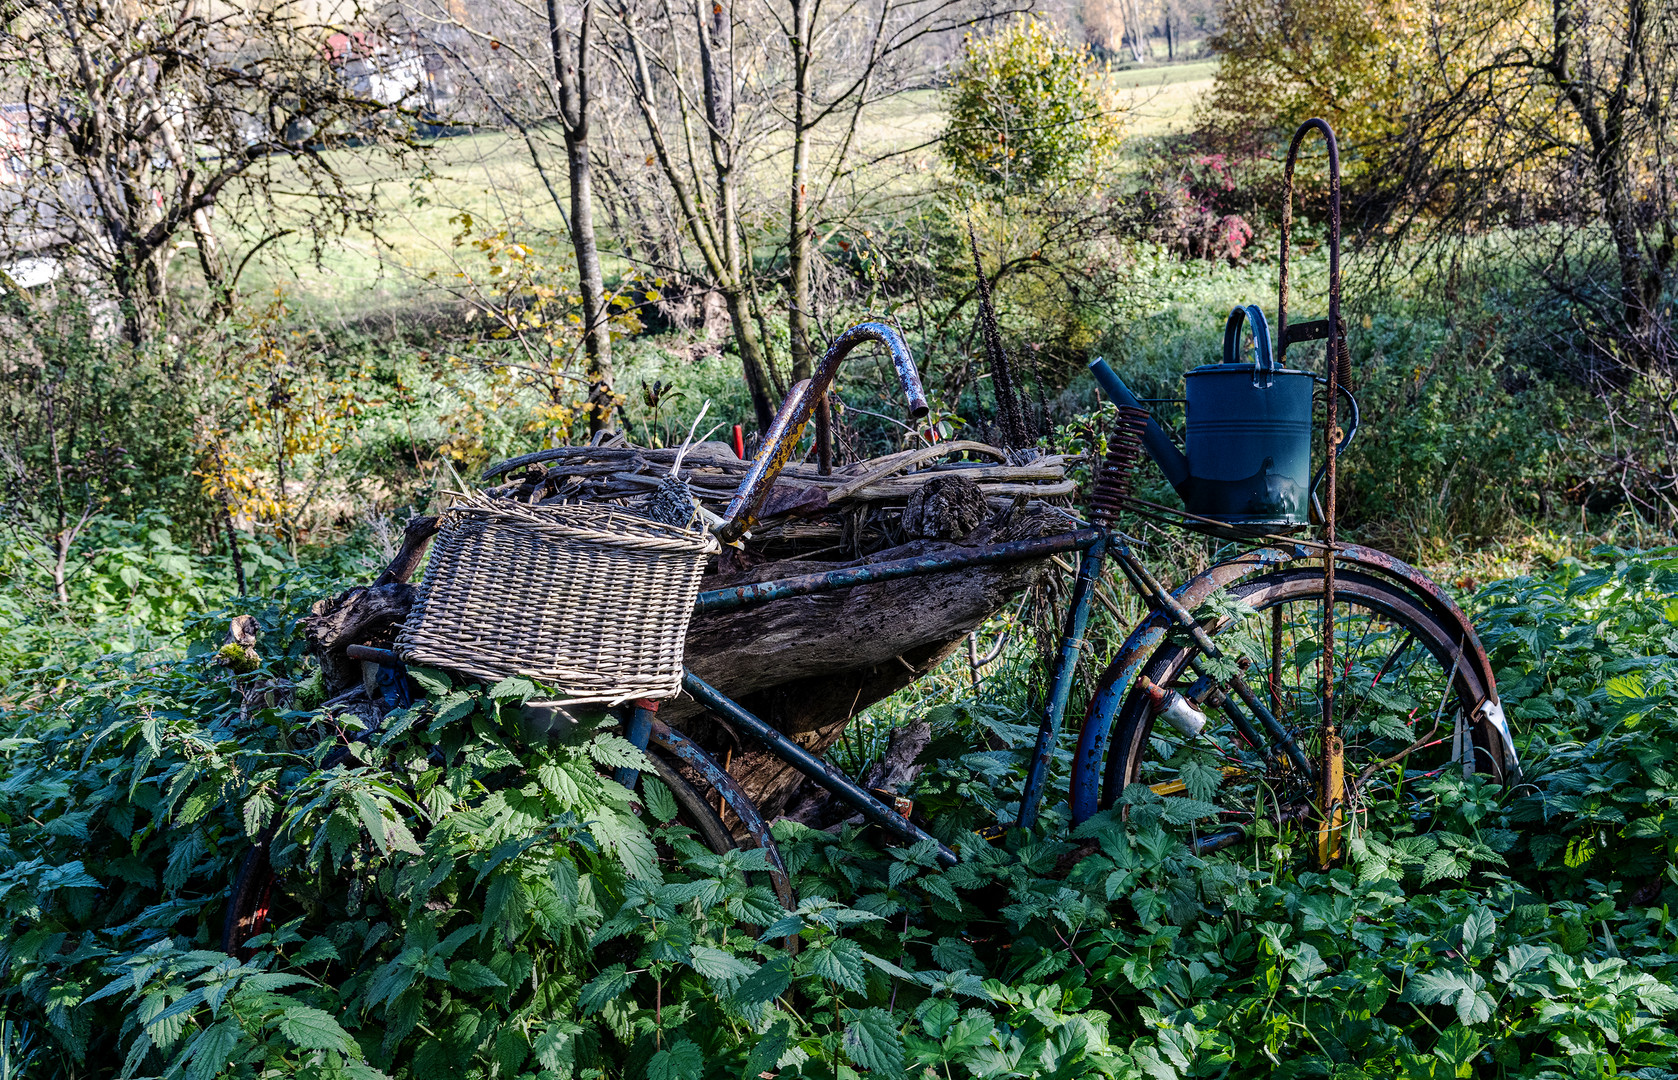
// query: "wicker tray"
[[591, 600]]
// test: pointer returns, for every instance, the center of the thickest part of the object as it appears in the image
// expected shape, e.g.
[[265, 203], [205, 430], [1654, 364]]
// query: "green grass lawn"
[[492, 177]]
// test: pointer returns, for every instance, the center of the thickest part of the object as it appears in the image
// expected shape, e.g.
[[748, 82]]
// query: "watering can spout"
[[1170, 460]]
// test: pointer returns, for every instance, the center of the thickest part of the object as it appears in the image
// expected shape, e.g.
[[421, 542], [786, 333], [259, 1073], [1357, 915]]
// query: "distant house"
[[33, 205], [409, 74]]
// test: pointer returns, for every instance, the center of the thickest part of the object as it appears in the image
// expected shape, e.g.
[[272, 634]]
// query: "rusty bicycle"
[[1293, 678]]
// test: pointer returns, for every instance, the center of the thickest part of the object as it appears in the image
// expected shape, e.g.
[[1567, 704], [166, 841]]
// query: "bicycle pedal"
[[901, 805]]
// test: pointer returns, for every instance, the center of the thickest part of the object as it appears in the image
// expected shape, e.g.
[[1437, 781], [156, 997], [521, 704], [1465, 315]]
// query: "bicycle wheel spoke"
[[1394, 678]]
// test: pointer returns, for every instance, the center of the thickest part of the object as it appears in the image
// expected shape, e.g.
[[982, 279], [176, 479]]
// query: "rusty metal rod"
[[781, 439], [1337, 365], [734, 797], [849, 791], [1014, 551]]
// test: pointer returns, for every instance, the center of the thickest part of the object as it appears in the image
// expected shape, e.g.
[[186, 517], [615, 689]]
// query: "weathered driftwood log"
[[944, 508], [416, 537], [366, 615], [808, 664]]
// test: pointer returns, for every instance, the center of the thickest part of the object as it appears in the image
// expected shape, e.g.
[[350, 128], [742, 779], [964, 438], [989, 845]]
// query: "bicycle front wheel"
[[1407, 705]]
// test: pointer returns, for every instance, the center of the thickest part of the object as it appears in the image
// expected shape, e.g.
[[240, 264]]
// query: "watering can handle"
[[1263, 360]]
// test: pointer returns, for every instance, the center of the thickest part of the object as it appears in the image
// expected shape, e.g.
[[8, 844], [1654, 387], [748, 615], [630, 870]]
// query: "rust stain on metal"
[[781, 440]]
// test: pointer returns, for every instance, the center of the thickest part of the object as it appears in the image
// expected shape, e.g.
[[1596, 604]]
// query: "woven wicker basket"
[[588, 599]]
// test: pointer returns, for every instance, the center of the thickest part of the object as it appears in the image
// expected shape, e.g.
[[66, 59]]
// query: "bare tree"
[[58, 453], [758, 109], [861, 54], [653, 56], [140, 122], [576, 91], [1530, 113]]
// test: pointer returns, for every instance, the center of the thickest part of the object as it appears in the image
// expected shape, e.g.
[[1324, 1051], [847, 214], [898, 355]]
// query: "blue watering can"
[[1247, 433]]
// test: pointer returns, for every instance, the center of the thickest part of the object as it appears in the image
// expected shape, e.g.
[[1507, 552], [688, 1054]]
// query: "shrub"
[[1026, 110]]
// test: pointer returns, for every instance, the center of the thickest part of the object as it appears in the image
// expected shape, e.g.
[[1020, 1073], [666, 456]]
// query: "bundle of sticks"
[[939, 492]]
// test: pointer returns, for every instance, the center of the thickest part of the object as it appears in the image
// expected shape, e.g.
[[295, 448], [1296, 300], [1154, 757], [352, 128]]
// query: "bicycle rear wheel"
[[1407, 703]]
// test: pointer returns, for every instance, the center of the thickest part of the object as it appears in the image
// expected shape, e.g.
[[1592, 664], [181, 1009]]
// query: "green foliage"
[[1026, 109], [87, 424], [131, 587], [464, 897], [1458, 444]]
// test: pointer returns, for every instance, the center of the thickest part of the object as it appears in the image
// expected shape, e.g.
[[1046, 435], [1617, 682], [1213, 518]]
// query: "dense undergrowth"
[[462, 899]]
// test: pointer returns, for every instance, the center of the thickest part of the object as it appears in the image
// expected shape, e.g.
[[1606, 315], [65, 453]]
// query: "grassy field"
[[492, 177], [1163, 99]]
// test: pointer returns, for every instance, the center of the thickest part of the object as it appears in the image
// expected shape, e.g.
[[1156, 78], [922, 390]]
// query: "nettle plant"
[[457, 896]]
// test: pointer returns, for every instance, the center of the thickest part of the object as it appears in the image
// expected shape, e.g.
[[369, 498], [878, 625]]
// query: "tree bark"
[[575, 93], [799, 251]]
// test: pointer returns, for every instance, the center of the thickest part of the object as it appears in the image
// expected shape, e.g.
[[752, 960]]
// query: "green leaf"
[[436, 684], [681, 1061], [627, 838], [766, 1051], [559, 782], [197, 804], [257, 809], [553, 1047], [213, 1049], [513, 688], [372, 817], [1179, 810], [1480, 927], [471, 975], [452, 708], [767, 983], [872, 1042], [1457, 1045], [615, 752], [1202, 779], [312, 1029], [936, 1015], [658, 799], [605, 988], [716, 964], [839, 961]]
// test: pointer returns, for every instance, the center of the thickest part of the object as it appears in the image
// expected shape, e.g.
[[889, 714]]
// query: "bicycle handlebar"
[[788, 427]]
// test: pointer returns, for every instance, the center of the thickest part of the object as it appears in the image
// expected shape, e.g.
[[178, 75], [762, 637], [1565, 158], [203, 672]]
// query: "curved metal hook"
[[1317, 124], [788, 426], [1328, 835]]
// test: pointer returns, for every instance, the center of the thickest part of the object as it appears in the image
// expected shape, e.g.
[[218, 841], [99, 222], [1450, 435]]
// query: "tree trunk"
[[597, 332], [751, 354], [798, 226], [1603, 113], [575, 93], [715, 228]]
